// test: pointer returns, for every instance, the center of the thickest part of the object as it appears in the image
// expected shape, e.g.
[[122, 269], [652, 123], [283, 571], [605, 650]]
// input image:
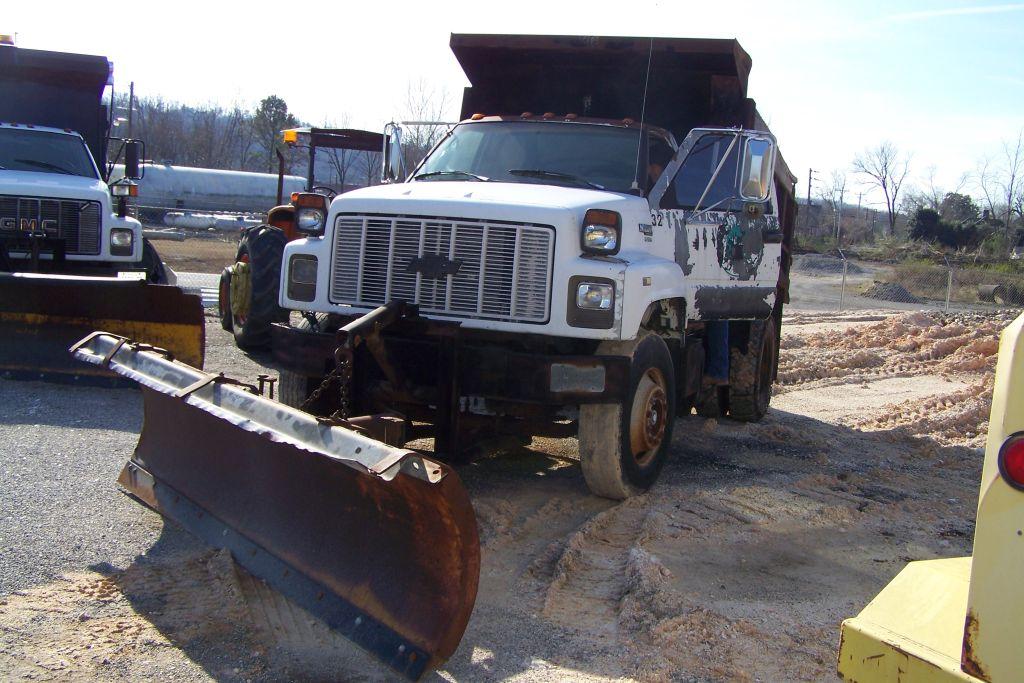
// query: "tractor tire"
[[751, 373], [156, 273], [224, 300], [623, 446], [255, 286]]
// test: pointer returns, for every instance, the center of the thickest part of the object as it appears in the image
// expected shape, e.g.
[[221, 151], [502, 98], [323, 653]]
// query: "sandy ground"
[[738, 565]]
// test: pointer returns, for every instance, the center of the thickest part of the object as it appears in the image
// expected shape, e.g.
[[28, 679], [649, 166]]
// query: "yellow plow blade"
[[42, 315]]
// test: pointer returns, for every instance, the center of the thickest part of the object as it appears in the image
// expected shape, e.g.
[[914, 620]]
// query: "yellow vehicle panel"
[[958, 619]]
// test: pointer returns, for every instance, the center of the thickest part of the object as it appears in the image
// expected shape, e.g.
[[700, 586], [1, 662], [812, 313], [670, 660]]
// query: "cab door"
[[718, 197]]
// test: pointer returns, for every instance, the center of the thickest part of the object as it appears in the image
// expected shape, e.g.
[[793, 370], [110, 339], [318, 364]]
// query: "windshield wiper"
[[435, 174], [540, 173], [46, 164]]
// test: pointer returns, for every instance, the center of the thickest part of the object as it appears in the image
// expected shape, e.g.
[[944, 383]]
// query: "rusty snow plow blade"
[[378, 542], [42, 315]]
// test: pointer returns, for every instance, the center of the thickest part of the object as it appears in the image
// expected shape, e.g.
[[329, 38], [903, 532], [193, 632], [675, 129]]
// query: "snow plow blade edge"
[[378, 542], [42, 315]]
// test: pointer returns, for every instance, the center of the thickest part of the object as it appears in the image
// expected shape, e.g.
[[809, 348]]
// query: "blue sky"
[[942, 80]]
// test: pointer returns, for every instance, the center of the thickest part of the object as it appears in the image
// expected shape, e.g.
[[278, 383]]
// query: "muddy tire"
[[624, 446], [751, 373], [293, 389], [224, 300], [262, 249], [156, 273], [712, 401]]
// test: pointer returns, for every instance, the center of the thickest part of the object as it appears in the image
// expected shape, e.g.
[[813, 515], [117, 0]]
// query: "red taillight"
[[1011, 461]]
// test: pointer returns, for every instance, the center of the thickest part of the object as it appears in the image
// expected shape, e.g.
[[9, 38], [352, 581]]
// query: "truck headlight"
[[594, 296], [122, 241], [302, 277], [309, 220], [590, 302], [601, 232]]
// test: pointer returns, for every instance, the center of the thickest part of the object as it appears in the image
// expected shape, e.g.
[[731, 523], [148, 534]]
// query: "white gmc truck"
[[57, 213], [556, 274]]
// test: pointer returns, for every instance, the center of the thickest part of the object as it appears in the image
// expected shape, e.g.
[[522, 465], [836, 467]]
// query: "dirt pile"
[[960, 349], [890, 291]]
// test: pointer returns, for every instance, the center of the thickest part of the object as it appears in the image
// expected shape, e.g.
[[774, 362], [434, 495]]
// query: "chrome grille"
[[74, 220], [504, 270]]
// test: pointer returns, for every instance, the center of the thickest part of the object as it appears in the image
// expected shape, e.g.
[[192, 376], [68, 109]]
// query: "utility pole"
[[131, 107], [810, 180]]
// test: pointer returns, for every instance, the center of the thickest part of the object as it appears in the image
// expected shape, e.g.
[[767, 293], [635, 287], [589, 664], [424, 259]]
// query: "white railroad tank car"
[[185, 188]]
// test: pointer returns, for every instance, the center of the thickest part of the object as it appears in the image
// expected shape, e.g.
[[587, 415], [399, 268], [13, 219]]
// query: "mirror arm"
[[714, 176]]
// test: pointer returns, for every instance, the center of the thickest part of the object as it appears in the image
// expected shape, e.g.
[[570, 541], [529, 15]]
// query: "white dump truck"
[[71, 258], [559, 262], [601, 245]]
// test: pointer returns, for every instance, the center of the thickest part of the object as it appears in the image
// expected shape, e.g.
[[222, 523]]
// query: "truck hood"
[[474, 200], [32, 184]]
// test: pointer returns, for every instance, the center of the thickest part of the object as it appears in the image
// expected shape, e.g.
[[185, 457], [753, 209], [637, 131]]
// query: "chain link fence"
[[196, 246], [839, 283]]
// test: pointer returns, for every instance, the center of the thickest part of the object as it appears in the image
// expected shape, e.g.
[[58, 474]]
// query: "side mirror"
[[392, 169], [758, 167], [132, 155]]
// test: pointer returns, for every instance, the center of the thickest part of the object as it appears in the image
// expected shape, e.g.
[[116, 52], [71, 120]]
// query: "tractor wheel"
[[255, 281], [751, 373], [623, 446], [224, 299]]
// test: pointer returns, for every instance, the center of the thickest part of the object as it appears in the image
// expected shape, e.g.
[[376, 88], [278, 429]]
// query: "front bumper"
[[482, 369]]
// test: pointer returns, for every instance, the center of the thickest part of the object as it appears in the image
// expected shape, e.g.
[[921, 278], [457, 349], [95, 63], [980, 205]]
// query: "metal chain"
[[344, 410], [342, 373]]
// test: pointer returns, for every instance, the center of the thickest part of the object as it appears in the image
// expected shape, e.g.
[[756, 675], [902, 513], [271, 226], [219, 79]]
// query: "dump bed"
[[693, 81], [56, 89]]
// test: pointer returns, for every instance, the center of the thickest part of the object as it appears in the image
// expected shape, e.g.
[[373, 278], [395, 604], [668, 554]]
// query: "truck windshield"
[[44, 152], [552, 153]]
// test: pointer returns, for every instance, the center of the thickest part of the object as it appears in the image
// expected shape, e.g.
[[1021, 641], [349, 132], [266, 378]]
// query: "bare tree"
[[370, 162], [340, 160], [427, 105], [837, 185], [886, 169], [1012, 183], [985, 182]]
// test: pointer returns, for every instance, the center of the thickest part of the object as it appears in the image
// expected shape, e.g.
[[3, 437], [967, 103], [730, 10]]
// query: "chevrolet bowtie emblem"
[[434, 266]]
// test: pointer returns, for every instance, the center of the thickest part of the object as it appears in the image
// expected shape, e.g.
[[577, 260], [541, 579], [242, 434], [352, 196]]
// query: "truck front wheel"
[[623, 446], [294, 389], [156, 273]]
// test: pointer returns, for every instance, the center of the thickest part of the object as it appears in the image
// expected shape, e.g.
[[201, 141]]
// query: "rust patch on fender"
[[968, 660]]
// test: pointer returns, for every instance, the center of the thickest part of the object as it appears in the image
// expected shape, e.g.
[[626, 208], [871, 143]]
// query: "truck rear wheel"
[[623, 446], [255, 285], [751, 373]]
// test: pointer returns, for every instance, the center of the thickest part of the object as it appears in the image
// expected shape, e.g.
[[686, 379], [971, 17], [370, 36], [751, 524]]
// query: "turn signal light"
[[310, 200], [1011, 461]]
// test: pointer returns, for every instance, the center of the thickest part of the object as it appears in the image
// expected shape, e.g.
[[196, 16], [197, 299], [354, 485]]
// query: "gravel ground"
[[63, 446], [738, 565]]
